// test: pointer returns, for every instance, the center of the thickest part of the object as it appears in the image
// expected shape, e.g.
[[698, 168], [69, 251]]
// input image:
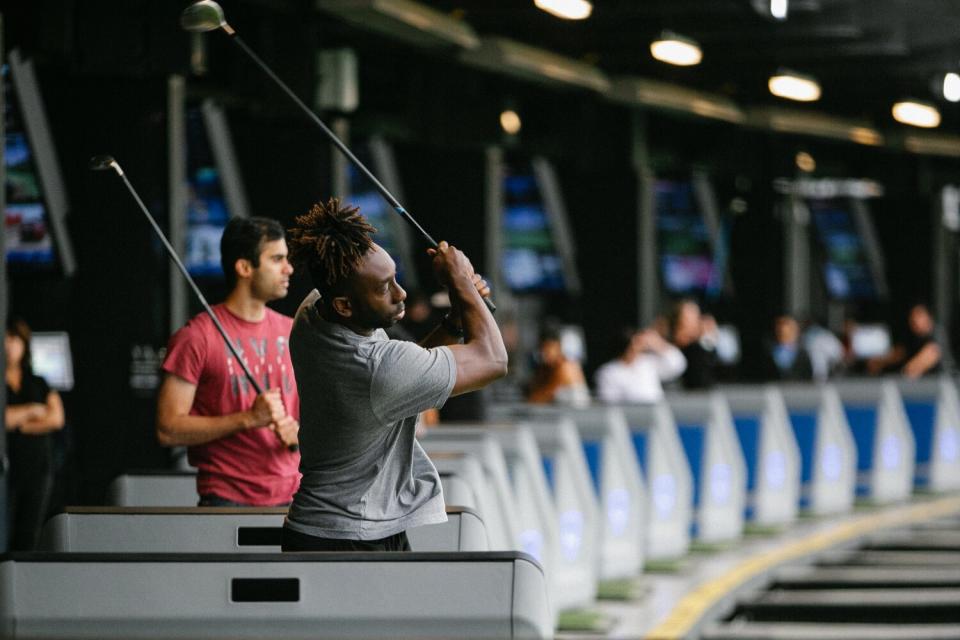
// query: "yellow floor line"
[[692, 607]]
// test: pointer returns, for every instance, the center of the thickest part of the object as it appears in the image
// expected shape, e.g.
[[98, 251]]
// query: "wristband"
[[451, 328]]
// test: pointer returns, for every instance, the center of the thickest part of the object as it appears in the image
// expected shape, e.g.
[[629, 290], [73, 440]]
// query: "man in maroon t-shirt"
[[239, 441]]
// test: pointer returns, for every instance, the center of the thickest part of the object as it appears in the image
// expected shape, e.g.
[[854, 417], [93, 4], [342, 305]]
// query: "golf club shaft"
[[389, 197], [196, 289]]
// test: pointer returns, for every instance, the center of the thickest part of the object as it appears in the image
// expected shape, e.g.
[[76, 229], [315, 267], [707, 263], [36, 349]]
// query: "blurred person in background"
[[644, 361], [33, 412], [695, 334], [556, 378], [787, 357], [917, 353]]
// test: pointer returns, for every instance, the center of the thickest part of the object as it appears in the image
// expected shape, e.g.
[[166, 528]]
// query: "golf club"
[[207, 15], [104, 163]]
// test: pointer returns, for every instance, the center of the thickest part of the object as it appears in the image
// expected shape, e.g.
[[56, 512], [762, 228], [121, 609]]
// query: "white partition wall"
[[933, 410], [770, 451], [574, 544], [884, 441], [616, 478], [498, 496], [668, 476], [828, 455], [465, 482], [719, 472]]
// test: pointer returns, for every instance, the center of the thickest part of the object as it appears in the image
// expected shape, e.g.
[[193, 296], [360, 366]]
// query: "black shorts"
[[296, 541]]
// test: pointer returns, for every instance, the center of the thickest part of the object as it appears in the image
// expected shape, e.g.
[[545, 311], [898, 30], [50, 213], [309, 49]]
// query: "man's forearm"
[[190, 430]]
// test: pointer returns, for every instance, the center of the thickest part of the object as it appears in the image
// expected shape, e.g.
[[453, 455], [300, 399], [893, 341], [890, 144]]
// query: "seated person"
[[645, 361], [918, 353], [787, 358], [557, 379], [695, 334]]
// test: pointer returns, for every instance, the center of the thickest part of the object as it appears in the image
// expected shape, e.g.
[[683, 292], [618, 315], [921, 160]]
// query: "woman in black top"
[[33, 411]]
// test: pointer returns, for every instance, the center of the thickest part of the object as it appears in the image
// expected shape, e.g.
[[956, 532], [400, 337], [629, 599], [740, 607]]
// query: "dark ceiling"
[[865, 53]]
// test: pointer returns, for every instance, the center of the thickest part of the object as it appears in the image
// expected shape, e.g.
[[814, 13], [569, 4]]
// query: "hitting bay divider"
[[933, 410], [770, 451], [570, 490], [219, 530], [616, 478], [668, 479], [884, 441], [537, 523], [279, 595], [828, 454], [716, 461], [465, 481]]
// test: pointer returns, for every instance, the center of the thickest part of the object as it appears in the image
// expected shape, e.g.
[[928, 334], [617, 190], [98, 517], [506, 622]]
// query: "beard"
[[372, 319]]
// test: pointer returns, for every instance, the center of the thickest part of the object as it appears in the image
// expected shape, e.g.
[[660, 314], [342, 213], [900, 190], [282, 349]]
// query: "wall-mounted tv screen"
[[207, 213], [51, 359], [845, 261], [29, 236], [392, 234], [537, 253], [688, 259]]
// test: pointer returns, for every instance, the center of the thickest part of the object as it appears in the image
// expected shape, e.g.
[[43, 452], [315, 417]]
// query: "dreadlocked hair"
[[329, 241]]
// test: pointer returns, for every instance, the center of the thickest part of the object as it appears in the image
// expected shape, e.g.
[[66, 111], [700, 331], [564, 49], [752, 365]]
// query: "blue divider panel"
[[863, 424], [922, 416], [692, 436], [593, 450], [640, 444], [548, 471], [748, 432]]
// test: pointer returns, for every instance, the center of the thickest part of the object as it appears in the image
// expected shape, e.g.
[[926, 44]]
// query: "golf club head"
[[205, 15], [104, 163]]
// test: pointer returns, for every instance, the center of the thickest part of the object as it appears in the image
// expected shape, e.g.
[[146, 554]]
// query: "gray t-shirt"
[[365, 476]]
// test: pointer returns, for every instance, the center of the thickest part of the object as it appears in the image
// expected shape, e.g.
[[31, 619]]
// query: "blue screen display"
[[28, 241], [207, 213], [846, 269], [687, 262], [530, 261], [377, 211]]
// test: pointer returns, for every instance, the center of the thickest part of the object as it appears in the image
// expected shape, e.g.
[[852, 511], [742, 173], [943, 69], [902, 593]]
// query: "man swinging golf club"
[[366, 480]]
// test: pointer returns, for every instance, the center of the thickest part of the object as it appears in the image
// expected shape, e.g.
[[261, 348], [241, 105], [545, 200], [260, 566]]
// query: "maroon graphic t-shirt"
[[250, 467]]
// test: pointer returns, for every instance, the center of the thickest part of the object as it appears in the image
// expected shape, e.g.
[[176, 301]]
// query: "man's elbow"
[[166, 435]]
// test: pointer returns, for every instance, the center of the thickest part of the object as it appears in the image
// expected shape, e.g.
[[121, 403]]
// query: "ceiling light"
[[951, 87], [918, 114], [805, 162], [510, 122], [674, 49], [793, 86], [567, 9], [778, 9]]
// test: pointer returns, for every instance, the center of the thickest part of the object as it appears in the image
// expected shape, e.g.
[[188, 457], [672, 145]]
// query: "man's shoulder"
[[279, 320]]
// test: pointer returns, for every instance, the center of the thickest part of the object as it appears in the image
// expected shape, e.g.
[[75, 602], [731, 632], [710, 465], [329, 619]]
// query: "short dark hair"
[[330, 240], [243, 238]]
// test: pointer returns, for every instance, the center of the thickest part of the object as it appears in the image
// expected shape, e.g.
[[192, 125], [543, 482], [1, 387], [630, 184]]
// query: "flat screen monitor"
[[35, 201], [207, 212], [392, 234], [688, 260], [537, 251], [846, 268], [51, 360]]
